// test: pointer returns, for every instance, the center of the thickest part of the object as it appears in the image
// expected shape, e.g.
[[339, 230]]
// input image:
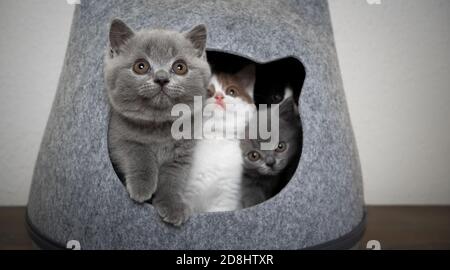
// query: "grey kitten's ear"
[[288, 109], [247, 75], [197, 36], [119, 34]]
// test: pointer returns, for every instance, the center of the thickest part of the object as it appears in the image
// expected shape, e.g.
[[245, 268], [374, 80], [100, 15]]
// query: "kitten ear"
[[288, 109], [197, 36], [247, 75], [119, 34]]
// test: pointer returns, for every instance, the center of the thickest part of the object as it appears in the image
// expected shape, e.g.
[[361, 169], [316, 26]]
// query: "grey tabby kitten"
[[146, 73], [267, 172]]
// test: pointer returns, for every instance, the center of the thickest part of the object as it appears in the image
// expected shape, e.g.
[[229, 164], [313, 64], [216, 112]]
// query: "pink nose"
[[219, 96]]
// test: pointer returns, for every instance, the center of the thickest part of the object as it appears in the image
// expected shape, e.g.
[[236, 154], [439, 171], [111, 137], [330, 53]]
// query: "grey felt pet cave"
[[76, 194]]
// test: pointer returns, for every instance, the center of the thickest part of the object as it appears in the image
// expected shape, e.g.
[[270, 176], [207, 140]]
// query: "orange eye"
[[231, 92], [141, 67], [281, 147], [180, 67], [253, 156]]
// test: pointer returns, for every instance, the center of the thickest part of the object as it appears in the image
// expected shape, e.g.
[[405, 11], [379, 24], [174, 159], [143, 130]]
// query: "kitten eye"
[[281, 147], [254, 156], [141, 67], [231, 92], [180, 67]]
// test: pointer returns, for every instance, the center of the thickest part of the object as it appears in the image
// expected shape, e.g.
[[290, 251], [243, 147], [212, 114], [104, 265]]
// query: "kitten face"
[[232, 89], [229, 103], [274, 94], [275, 78], [273, 162], [147, 72]]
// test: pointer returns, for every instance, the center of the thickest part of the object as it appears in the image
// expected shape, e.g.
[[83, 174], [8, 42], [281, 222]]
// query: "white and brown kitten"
[[215, 178]]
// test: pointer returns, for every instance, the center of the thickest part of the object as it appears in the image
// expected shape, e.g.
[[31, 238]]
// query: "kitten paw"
[[140, 191], [175, 214]]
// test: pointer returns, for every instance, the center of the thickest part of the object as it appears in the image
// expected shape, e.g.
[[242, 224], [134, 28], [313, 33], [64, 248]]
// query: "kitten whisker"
[[148, 90]]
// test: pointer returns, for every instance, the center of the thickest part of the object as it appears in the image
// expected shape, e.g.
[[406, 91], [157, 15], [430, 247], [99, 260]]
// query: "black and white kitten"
[[266, 172], [278, 80]]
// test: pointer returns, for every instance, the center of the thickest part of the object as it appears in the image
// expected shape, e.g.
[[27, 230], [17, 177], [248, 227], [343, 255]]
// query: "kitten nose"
[[161, 77], [219, 96], [270, 161]]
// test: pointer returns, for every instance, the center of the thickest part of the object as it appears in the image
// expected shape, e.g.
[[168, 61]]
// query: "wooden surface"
[[13, 234], [395, 227], [409, 227]]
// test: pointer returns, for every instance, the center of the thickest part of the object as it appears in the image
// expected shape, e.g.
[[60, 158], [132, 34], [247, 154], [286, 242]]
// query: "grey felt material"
[[76, 194]]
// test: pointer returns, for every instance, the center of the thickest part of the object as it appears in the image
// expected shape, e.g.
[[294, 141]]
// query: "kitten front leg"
[[141, 174], [252, 196], [169, 199]]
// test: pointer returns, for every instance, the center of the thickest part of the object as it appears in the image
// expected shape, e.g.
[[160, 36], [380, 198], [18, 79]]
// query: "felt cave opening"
[[273, 79]]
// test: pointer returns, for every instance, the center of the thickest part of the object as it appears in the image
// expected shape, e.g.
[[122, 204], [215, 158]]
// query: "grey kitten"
[[266, 172], [146, 73]]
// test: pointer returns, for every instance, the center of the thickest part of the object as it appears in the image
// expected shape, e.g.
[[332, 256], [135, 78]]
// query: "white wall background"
[[33, 39], [395, 64]]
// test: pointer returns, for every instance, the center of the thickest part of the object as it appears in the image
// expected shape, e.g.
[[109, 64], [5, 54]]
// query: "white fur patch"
[[215, 179], [288, 93]]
